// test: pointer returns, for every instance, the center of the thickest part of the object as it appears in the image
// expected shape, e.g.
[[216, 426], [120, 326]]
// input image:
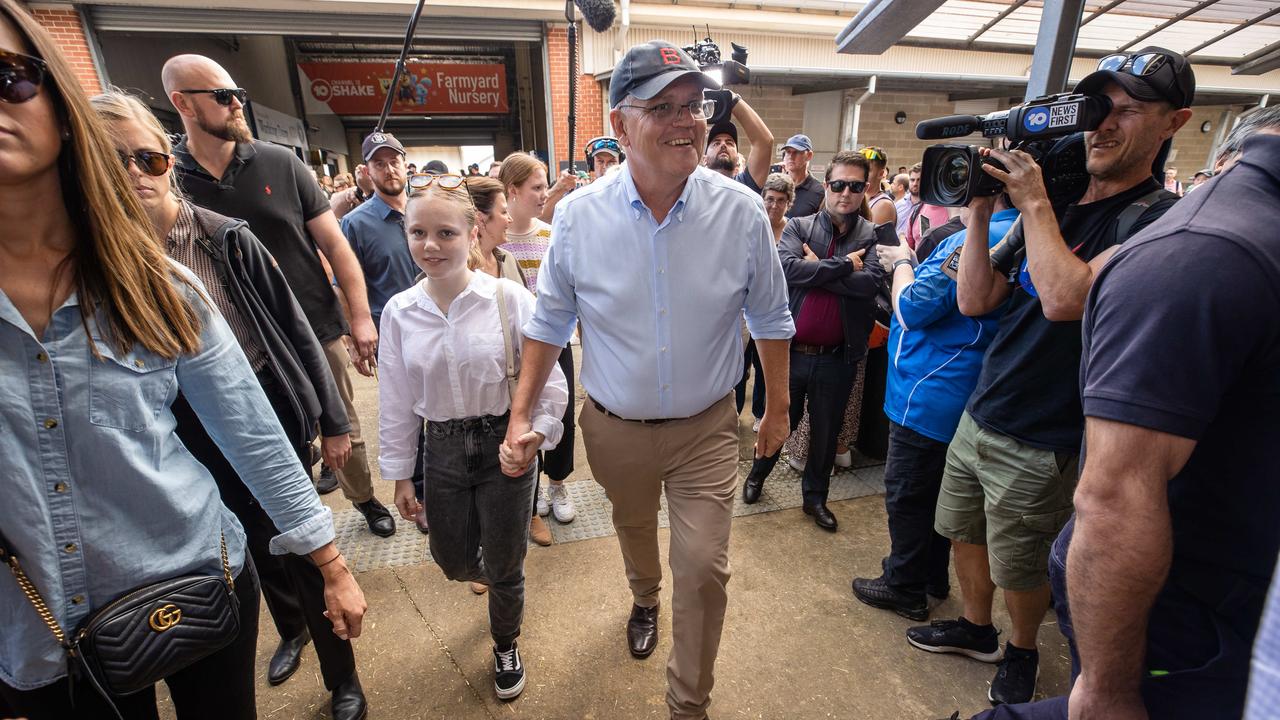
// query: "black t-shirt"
[[745, 178], [1028, 388], [267, 186], [808, 200], [934, 237], [1182, 335]]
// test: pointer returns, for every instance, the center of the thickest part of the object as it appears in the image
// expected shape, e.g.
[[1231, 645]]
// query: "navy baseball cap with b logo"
[[648, 69]]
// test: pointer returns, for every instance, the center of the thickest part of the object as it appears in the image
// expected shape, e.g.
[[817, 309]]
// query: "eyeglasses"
[[222, 95], [853, 186], [666, 112], [1139, 65], [21, 76], [150, 162], [873, 153]]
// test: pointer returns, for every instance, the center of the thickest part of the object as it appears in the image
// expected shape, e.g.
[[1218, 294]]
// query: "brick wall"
[[1192, 146], [68, 33], [590, 121]]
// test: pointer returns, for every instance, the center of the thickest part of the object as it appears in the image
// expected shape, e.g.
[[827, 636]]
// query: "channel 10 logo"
[[1036, 120]]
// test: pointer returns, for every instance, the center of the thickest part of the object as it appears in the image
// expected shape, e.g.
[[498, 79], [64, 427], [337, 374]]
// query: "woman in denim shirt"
[[99, 495]]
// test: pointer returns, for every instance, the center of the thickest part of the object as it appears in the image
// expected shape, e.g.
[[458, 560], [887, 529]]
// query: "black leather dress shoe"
[[328, 482], [378, 517], [287, 658], [348, 700], [642, 631], [822, 517], [751, 488]]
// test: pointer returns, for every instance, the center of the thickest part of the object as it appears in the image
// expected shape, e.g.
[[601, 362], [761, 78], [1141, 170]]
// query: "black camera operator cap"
[[1169, 78], [724, 127], [378, 140], [648, 69]]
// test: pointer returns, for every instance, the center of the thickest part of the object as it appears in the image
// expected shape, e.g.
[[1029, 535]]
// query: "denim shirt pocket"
[[127, 390]]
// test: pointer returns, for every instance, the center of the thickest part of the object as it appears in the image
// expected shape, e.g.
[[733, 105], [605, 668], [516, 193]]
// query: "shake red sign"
[[354, 88]]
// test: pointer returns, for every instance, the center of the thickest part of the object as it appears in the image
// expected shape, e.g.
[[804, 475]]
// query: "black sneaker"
[[1015, 680], [878, 593], [957, 636], [508, 672]]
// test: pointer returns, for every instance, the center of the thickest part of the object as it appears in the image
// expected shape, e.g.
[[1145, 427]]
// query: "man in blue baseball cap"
[[796, 154]]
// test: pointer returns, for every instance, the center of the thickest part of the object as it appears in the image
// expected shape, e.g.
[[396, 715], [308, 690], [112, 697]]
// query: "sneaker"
[[797, 464], [544, 507], [561, 503], [328, 482], [957, 636], [844, 459], [508, 672], [479, 588], [878, 593], [755, 426], [1015, 680], [539, 532]]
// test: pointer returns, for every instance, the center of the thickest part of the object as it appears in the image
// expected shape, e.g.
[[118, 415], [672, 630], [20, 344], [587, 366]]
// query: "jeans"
[[479, 517], [218, 687], [751, 359], [918, 556], [826, 381]]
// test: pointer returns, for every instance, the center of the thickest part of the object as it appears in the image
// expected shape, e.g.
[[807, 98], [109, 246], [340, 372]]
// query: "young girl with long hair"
[[443, 360]]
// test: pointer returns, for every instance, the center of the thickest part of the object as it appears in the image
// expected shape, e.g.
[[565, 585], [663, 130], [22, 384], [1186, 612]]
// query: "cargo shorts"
[[1011, 497]]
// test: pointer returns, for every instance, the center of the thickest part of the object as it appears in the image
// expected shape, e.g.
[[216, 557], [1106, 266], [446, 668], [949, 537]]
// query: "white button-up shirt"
[[441, 367], [661, 303]]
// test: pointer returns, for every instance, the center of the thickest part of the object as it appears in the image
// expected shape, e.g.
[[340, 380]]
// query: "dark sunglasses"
[[150, 162], [222, 96], [1139, 65], [853, 186], [20, 76]]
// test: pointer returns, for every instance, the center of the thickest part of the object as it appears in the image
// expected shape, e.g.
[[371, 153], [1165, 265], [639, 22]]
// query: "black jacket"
[[295, 357], [856, 290]]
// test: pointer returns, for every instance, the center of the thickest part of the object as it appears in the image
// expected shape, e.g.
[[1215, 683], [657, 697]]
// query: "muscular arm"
[[1120, 556], [1062, 279], [979, 287], [761, 141]]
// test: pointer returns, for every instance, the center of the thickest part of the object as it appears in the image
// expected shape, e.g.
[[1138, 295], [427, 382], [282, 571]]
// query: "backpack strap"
[[506, 342], [1130, 215]]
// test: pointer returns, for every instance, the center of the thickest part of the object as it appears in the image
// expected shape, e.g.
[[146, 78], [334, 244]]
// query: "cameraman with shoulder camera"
[[722, 141], [1011, 468]]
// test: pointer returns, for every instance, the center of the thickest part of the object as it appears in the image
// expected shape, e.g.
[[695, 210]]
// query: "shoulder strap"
[[506, 342], [1131, 214]]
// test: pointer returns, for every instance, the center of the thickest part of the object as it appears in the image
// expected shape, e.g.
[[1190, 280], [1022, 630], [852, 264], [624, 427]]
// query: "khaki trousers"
[[695, 461], [354, 478]]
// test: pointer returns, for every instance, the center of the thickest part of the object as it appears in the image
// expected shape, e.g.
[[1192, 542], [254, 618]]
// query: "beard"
[[235, 129], [722, 163], [390, 186]]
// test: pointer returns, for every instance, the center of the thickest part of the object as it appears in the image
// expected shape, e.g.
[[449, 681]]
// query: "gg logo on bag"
[[165, 617]]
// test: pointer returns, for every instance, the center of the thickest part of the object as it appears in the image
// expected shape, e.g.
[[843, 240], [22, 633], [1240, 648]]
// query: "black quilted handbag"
[[146, 635]]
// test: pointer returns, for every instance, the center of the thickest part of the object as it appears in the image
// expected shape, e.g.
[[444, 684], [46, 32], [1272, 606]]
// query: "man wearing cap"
[[1012, 464], [796, 154], [602, 153], [722, 142], [662, 350]]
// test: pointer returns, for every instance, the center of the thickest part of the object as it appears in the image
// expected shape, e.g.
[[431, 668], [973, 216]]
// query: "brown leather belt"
[[815, 349], [603, 409]]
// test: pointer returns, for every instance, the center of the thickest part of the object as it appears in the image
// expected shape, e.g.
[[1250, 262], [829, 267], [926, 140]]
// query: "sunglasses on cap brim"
[[21, 76], [1140, 65], [603, 144], [222, 96]]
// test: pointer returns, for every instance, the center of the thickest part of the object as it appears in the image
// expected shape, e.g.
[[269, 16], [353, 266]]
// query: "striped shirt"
[[183, 246], [528, 249]]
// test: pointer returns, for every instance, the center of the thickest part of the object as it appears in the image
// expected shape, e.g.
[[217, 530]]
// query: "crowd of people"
[[1087, 431]]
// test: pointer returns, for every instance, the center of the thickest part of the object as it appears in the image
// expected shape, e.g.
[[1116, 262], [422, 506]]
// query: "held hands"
[[1023, 179], [774, 428], [336, 450], [890, 254], [855, 257], [520, 448]]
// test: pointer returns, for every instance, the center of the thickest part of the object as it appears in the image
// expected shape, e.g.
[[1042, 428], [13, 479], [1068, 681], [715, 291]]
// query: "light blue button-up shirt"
[[100, 497], [661, 303]]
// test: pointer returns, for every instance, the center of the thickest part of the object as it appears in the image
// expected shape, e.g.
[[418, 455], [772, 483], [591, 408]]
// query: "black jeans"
[[826, 381], [751, 360], [292, 585], [479, 517], [918, 556], [219, 687]]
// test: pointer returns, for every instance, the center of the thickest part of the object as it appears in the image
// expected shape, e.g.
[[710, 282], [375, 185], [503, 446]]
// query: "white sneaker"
[[844, 459], [543, 506], [798, 463], [755, 427], [561, 503]]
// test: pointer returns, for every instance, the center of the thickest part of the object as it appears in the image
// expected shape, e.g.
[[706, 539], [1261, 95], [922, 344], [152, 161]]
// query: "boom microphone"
[[599, 14], [947, 127]]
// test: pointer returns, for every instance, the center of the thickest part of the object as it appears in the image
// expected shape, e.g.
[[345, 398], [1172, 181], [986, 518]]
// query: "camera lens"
[[950, 175], [957, 171]]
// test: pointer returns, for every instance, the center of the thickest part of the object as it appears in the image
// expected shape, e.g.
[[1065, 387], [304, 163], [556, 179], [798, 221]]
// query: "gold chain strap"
[[46, 616]]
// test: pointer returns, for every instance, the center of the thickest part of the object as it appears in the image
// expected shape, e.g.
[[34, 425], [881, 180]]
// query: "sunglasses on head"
[[1140, 65], [853, 186], [449, 181], [871, 153], [222, 96], [150, 162], [21, 76]]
